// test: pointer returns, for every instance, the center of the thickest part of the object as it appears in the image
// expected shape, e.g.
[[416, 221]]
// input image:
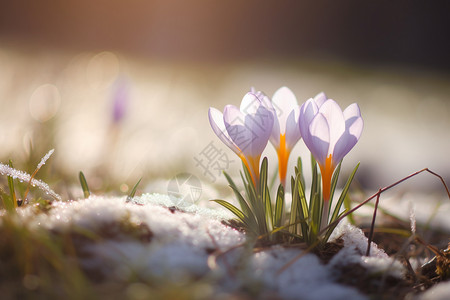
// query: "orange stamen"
[[283, 159]]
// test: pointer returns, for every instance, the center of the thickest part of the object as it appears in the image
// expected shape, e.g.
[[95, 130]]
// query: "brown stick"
[[369, 240]]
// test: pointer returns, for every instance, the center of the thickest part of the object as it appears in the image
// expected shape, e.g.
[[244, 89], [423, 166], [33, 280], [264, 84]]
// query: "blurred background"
[[121, 89]]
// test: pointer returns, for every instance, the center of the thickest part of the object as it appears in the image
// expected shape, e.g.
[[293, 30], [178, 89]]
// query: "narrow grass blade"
[[84, 185], [11, 202], [7, 202], [133, 191]]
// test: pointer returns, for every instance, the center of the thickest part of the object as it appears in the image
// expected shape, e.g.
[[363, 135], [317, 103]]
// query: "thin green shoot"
[[133, 191], [84, 185]]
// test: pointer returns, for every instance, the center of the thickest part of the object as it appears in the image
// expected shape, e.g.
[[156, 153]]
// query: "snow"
[[355, 249], [183, 239], [440, 291]]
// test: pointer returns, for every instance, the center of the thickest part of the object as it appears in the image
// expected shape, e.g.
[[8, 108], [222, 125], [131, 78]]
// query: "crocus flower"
[[245, 130], [329, 134], [120, 100], [286, 131]]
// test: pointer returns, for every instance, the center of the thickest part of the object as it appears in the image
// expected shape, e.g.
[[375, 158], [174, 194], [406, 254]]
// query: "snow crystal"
[[25, 177], [44, 159]]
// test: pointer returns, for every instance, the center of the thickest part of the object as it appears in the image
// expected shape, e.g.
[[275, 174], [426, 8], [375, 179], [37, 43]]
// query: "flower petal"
[[348, 140], [292, 128], [352, 111], [320, 99], [218, 126], [355, 126], [260, 124], [250, 103], [308, 111], [284, 102], [275, 135], [318, 141], [335, 120], [234, 121], [250, 132]]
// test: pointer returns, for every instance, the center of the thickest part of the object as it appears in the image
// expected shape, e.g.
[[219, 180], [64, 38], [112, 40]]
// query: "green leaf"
[[238, 213], [347, 206], [300, 170], [334, 181], [249, 215], [274, 177], [303, 211], [314, 182], [250, 188], [265, 195], [279, 207], [316, 215], [84, 185], [133, 191], [294, 205], [242, 203], [335, 215], [343, 194]]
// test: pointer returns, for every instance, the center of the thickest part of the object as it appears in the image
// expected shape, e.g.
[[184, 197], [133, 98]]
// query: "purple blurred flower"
[[245, 130], [120, 99], [285, 132]]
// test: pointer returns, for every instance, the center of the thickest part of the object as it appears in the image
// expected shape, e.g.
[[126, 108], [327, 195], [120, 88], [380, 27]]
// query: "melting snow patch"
[[181, 240], [355, 248]]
